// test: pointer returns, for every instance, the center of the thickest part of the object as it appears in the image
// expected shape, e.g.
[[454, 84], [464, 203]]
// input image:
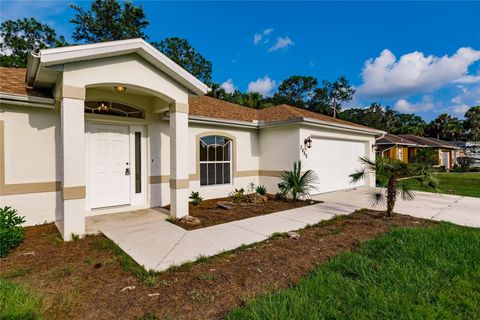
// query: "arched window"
[[215, 160], [113, 109]]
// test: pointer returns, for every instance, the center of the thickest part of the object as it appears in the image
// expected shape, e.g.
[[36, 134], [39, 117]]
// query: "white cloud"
[[425, 104], [385, 76], [282, 42], [264, 86], [228, 86], [266, 32], [258, 37], [460, 109], [468, 96], [468, 79]]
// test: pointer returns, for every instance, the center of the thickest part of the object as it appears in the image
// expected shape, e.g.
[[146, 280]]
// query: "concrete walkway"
[[158, 244], [460, 210]]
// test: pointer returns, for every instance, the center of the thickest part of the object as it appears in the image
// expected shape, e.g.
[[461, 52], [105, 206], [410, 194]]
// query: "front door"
[[109, 170], [446, 159]]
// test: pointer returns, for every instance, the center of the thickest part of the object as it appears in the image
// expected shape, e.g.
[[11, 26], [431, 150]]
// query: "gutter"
[[28, 101]]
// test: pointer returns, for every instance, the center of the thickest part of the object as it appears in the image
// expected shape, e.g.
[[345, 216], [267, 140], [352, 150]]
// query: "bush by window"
[[11, 231]]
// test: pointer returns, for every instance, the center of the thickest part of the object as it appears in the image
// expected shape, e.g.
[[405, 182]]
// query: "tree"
[[296, 91], [182, 53], [445, 127], [391, 173], [296, 183], [108, 20], [409, 124], [338, 92], [472, 123], [20, 37]]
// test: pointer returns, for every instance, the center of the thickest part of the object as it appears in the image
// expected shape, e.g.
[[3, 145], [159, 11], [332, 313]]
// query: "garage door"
[[334, 161]]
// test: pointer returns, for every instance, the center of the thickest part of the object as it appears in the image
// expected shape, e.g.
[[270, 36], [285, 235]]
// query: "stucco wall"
[[31, 157]]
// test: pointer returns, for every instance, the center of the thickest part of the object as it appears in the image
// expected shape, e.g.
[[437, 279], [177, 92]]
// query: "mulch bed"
[[80, 280], [210, 214]]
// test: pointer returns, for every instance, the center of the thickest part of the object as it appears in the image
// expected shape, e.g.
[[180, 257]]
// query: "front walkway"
[[158, 244]]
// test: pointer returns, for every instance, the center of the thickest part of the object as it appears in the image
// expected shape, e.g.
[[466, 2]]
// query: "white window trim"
[[217, 162]]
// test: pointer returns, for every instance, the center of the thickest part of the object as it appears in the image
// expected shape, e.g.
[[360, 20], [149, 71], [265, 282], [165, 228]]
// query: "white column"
[[73, 158], [179, 183]]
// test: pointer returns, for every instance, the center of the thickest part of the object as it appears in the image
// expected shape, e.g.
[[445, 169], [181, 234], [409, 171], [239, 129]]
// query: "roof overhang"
[[64, 55], [30, 101]]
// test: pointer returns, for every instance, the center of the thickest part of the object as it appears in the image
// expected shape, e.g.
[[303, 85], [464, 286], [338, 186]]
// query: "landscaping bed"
[[209, 213], [91, 278]]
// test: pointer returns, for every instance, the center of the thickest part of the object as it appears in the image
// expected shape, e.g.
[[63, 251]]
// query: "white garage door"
[[333, 161]]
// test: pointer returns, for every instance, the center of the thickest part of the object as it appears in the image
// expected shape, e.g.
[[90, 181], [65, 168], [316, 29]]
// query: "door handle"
[[127, 171]]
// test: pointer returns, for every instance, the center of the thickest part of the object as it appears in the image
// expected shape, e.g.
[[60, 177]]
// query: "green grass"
[[16, 303], [409, 273], [463, 184]]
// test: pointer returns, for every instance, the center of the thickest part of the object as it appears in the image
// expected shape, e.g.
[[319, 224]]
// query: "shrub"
[[261, 190], [196, 199], [465, 162], [425, 156], [237, 195], [296, 183], [11, 231]]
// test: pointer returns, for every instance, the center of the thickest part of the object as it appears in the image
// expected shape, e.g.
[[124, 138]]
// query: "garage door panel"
[[333, 161]]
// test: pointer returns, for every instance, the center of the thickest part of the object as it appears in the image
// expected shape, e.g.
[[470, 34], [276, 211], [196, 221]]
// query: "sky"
[[418, 57]]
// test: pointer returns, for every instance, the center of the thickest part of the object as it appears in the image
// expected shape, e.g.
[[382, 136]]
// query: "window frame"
[[228, 141]]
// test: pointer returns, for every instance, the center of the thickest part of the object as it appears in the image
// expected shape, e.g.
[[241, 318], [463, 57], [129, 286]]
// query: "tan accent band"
[[20, 188], [269, 173], [73, 92], [179, 107], [179, 184], [159, 179], [70, 193]]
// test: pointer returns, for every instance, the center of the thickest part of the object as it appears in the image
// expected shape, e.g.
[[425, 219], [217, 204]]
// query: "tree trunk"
[[391, 195]]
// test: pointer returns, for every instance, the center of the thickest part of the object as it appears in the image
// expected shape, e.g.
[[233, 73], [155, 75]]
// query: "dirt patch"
[[210, 214], [84, 279]]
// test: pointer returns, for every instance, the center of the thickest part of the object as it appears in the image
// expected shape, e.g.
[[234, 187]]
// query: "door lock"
[[127, 171]]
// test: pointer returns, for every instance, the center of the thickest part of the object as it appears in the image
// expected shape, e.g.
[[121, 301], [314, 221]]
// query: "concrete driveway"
[[460, 210]]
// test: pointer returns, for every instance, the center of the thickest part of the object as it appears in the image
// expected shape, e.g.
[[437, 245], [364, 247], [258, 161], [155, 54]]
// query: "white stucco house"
[[117, 126]]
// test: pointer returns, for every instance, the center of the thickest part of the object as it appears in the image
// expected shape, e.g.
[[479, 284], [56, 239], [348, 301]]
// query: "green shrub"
[[11, 231], [16, 303], [261, 190], [465, 162], [237, 195], [297, 184], [196, 199]]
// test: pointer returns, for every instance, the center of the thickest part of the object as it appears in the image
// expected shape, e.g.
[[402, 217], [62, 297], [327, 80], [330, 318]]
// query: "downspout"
[[33, 67]]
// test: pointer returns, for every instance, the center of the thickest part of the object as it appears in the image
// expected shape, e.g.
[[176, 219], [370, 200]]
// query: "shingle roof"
[[429, 142], [12, 80], [393, 139]]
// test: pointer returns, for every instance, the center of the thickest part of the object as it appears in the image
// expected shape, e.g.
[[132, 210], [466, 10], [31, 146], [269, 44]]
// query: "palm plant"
[[295, 183], [393, 175]]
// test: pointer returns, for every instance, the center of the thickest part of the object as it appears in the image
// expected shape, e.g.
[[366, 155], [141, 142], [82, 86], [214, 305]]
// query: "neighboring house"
[[404, 146], [117, 126], [472, 149]]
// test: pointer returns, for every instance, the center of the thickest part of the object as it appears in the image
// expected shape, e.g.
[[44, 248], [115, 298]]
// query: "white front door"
[[333, 160], [109, 170], [446, 159]]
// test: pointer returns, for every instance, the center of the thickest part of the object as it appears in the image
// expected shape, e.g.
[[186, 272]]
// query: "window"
[[113, 109], [215, 160], [138, 162]]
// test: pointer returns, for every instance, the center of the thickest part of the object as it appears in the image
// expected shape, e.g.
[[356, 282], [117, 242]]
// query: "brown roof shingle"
[[393, 139], [12, 80]]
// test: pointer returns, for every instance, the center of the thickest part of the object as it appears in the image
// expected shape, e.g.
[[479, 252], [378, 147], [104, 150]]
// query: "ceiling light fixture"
[[120, 89]]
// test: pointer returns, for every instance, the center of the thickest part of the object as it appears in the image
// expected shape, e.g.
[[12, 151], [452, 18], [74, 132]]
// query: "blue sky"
[[417, 57]]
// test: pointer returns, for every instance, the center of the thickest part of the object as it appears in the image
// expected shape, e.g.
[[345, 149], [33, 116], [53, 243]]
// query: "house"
[[117, 126], [404, 146]]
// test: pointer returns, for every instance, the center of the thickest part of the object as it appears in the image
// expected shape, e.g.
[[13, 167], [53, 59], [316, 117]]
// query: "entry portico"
[[77, 72]]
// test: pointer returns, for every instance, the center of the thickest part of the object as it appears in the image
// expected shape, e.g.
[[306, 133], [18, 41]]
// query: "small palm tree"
[[296, 183], [394, 175]]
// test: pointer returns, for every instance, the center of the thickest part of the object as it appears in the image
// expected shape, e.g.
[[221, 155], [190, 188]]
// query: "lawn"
[[410, 273], [464, 184]]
